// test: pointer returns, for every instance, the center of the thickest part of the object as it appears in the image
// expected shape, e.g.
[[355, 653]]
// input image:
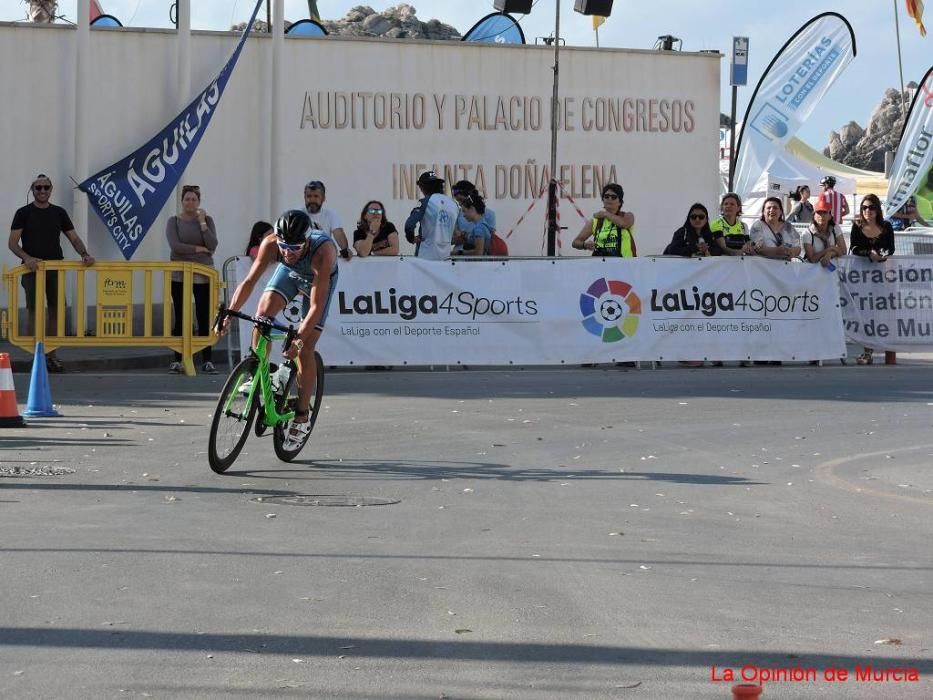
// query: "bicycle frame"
[[270, 416], [267, 397]]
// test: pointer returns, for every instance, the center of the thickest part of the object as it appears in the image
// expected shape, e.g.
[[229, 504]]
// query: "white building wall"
[[135, 95]]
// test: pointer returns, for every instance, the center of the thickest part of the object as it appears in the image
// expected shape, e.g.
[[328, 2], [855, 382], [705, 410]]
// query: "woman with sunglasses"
[[610, 233], [871, 237], [192, 237], [693, 239], [374, 234]]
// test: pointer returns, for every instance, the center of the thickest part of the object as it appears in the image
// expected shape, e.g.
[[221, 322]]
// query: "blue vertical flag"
[[128, 195]]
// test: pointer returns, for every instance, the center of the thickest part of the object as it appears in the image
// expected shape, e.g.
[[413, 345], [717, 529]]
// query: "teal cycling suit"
[[290, 280]]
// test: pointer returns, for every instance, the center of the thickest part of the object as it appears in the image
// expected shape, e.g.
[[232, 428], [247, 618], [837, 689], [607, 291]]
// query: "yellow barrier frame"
[[186, 344]]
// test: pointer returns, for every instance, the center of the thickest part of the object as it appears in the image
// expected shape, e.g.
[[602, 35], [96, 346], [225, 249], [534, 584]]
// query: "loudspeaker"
[[594, 7], [519, 7]]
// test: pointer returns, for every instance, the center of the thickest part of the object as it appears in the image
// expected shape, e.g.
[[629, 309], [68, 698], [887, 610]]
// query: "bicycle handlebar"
[[264, 324]]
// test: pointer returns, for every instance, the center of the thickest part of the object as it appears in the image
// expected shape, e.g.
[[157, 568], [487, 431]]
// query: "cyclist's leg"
[[307, 367], [280, 290]]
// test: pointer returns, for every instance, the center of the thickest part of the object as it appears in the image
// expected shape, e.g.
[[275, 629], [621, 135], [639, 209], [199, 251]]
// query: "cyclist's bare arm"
[[321, 265], [268, 254]]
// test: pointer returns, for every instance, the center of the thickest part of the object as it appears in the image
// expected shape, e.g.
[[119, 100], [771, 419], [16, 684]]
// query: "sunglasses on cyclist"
[[610, 195], [698, 217], [374, 211], [41, 188], [289, 247]]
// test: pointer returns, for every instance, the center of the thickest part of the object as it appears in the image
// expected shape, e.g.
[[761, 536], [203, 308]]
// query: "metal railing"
[[113, 307]]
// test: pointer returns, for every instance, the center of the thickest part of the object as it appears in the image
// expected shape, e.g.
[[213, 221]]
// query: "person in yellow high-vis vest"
[[610, 232]]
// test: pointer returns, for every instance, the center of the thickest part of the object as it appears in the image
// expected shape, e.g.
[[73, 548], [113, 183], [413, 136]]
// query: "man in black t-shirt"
[[36, 236]]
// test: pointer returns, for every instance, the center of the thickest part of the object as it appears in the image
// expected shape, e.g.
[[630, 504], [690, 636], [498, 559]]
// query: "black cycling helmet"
[[292, 227], [829, 181]]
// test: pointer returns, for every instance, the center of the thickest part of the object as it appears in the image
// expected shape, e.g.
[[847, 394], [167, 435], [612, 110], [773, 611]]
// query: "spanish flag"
[[915, 10], [597, 20]]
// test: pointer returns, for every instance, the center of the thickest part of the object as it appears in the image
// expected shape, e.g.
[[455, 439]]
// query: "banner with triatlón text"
[[913, 165], [888, 305]]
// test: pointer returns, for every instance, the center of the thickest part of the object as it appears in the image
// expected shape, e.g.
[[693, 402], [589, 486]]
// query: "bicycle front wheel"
[[289, 401], [232, 418]]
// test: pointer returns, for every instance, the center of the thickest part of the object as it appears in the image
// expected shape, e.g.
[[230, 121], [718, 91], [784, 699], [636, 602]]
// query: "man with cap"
[[435, 218], [836, 200], [323, 218]]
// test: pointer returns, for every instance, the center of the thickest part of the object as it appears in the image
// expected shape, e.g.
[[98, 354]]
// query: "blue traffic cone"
[[39, 402]]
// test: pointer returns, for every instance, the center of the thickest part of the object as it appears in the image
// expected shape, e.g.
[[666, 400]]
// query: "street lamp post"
[[552, 226]]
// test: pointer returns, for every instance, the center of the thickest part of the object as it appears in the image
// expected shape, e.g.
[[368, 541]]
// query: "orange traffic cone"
[[9, 414]]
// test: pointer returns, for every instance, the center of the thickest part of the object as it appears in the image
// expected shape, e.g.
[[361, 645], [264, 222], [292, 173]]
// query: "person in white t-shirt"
[[323, 218]]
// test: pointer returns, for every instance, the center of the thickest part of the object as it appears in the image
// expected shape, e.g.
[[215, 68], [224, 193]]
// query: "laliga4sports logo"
[[610, 310]]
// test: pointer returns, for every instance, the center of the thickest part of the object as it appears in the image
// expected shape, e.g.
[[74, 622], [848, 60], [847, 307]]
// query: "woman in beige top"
[[192, 238]]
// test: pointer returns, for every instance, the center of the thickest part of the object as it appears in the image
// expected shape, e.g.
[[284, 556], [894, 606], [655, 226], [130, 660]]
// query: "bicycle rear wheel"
[[232, 418], [289, 401]]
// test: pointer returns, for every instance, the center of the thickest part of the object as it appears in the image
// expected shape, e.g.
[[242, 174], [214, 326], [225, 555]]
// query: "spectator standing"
[[802, 213], [435, 219], [261, 229], [729, 231], [840, 207], [323, 218], [772, 235], [35, 236], [374, 234], [694, 239], [823, 239], [871, 237], [907, 216], [192, 237], [610, 232]]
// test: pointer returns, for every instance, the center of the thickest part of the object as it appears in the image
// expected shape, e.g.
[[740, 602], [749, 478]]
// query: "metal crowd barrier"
[[915, 240], [113, 319]]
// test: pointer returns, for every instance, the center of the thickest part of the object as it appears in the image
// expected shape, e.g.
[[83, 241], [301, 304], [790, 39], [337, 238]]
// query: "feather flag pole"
[[597, 22]]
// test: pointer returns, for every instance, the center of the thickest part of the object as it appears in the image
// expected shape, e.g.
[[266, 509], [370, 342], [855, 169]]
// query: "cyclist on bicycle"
[[306, 264]]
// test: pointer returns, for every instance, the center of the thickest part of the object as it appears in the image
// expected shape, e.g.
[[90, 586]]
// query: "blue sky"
[[636, 24]]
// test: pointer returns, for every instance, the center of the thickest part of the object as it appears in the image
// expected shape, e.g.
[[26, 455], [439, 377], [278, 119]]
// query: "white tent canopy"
[[788, 172]]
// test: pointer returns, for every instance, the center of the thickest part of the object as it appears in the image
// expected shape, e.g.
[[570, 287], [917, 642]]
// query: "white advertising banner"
[[889, 305], [534, 312], [793, 84], [913, 166]]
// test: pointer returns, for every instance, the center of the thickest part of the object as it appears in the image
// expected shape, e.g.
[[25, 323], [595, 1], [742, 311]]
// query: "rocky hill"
[[865, 148], [399, 22]]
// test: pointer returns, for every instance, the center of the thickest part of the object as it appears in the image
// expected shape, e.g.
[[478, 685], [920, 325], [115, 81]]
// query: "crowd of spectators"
[[463, 224]]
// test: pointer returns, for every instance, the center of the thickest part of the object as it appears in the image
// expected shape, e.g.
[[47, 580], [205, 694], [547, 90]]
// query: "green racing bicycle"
[[250, 393]]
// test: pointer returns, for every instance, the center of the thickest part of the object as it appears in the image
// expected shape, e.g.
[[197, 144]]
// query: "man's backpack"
[[497, 246]]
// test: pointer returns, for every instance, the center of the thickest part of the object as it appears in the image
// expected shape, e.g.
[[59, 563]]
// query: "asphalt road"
[[598, 533]]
